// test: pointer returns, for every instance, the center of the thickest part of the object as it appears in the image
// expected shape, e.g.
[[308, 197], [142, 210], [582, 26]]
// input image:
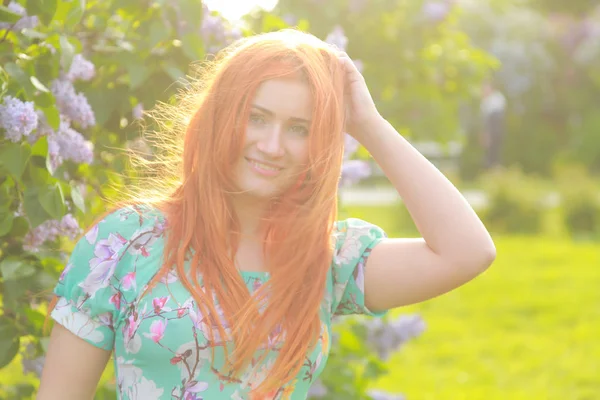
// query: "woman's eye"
[[300, 129], [257, 118]]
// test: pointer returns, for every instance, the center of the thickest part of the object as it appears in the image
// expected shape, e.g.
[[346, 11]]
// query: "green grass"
[[528, 328]]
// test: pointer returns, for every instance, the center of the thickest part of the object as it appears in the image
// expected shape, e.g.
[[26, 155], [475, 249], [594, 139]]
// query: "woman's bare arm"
[[72, 368]]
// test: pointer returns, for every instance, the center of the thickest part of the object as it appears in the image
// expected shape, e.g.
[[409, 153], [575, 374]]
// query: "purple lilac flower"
[[212, 27], [233, 34], [353, 171], [350, 146], [386, 337], [81, 69], [138, 111], [337, 38], [24, 23], [65, 143], [72, 146], [317, 390], [359, 65], [70, 227], [290, 19], [18, 118], [73, 105], [379, 395], [436, 11], [47, 231]]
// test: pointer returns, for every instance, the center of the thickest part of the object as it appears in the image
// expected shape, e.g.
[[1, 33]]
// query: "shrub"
[[515, 202], [580, 203]]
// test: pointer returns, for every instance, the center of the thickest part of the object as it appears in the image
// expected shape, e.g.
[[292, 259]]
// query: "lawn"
[[528, 328]]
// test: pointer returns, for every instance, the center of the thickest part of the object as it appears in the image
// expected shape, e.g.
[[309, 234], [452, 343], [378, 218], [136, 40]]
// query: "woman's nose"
[[271, 142]]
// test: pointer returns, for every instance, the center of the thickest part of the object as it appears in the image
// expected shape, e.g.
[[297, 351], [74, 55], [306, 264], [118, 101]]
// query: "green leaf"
[[52, 117], [32, 34], [5, 196], [40, 147], [20, 227], [6, 15], [70, 12], [67, 52], [6, 222], [14, 157], [272, 23], [35, 212], [173, 71], [16, 293], [192, 11], [53, 200], [35, 322], [15, 72], [138, 73], [44, 9], [193, 47], [38, 85], [77, 196], [158, 33], [9, 341], [43, 99], [15, 268]]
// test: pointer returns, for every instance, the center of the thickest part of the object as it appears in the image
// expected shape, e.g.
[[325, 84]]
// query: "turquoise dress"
[[160, 344]]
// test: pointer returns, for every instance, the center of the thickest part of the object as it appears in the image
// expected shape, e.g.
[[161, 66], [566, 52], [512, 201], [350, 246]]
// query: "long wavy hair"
[[199, 140]]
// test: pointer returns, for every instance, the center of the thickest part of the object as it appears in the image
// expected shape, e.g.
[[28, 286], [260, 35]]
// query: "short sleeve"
[[98, 279], [355, 239]]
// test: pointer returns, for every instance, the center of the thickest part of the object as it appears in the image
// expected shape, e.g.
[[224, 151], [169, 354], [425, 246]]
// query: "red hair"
[[199, 141]]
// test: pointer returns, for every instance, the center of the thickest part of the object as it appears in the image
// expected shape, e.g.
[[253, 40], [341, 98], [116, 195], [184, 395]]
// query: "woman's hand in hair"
[[362, 112]]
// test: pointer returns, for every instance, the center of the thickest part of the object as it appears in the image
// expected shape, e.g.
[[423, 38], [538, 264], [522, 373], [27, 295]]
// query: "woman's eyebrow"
[[271, 113]]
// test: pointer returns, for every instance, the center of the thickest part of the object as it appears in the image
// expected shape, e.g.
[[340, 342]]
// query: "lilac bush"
[[387, 337]]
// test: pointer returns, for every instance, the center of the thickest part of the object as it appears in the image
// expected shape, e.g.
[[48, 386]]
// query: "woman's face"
[[276, 146]]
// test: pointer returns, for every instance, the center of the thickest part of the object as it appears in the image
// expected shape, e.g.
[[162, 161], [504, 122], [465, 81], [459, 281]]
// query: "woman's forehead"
[[285, 98]]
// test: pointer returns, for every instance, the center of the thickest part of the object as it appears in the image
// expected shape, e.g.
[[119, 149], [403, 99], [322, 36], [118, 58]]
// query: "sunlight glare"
[[234, 10]]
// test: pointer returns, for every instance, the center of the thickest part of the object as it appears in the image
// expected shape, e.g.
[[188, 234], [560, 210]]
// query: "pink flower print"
[[186, 306], [157, 330], [131, 340], [106, 319], [158, 303], [195, 317], [102, 267], [170, 277], [116, 300], [131, 325], [215, 330], [141, 241], [129, 281]]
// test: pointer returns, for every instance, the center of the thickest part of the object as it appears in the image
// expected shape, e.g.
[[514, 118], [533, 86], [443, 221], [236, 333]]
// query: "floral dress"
[[160, 340]]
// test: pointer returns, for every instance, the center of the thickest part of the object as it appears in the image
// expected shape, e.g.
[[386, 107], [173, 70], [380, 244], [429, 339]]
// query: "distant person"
[[493, 113]]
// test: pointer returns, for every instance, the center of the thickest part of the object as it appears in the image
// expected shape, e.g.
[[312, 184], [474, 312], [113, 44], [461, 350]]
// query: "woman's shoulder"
[[128, 219], [122, 243], [354, 230]]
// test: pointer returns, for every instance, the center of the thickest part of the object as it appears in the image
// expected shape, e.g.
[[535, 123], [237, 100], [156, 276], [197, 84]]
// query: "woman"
[[224, 287]]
